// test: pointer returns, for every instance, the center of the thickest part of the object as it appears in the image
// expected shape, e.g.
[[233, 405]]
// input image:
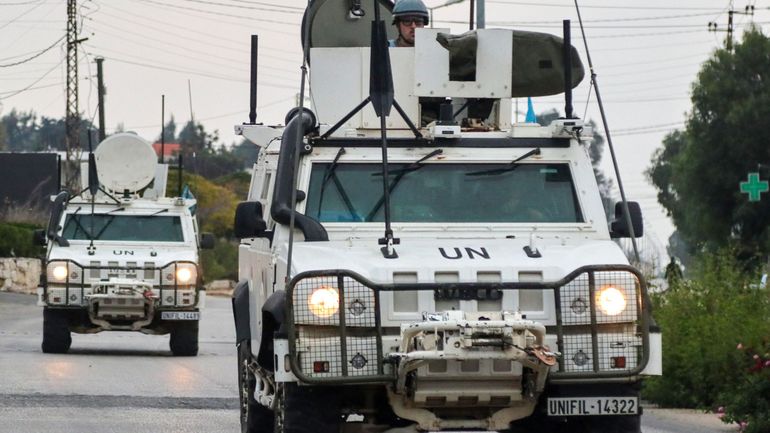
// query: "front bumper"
[[594, 346]]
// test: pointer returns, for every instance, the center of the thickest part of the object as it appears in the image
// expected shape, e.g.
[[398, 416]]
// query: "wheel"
[[306, 409], [255, 418], [56, 331], [184, 339]]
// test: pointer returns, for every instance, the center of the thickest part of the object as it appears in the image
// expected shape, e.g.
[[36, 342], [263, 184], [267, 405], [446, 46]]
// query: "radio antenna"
[[595, 85]]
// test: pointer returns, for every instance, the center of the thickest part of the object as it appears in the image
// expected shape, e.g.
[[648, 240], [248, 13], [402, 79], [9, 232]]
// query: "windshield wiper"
[[153, 214], [329, 174], [509, 167], [400, 173], [66, 224]]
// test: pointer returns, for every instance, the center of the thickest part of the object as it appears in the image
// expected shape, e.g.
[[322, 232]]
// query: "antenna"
[[100, 90], [179, 175], [253, 81], [567, 50], [93, 188], [609, 137], [297, 143], [162, 156], [381, 95]]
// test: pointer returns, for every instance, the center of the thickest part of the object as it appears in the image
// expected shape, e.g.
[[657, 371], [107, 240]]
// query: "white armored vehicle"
[[121, 256], [453, 270]]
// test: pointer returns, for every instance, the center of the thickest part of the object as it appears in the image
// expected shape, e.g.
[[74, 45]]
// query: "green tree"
[[25, 132], [20, 128], [194, 139], [169, 131], [698, 169]]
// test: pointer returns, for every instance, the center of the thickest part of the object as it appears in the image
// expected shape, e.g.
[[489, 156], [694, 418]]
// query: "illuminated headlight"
[[324, 301], [58, 272], [611, 301], [184, 274]]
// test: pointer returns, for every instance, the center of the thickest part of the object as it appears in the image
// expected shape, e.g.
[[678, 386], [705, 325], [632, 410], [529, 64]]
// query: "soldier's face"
[[406, 26]]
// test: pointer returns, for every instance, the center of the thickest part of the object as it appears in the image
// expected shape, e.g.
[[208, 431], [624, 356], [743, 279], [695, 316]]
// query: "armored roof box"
[[537, 61]]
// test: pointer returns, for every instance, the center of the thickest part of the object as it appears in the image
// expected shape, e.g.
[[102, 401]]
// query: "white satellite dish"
[[125, 162]]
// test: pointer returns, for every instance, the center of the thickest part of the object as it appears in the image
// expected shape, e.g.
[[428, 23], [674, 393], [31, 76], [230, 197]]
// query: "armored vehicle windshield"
[[445, 192], [115, 227]]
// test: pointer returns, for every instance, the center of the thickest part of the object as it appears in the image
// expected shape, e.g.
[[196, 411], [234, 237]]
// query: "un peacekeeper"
[[408, 15]]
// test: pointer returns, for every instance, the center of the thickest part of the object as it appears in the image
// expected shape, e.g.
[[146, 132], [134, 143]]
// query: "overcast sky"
[[196, 52]]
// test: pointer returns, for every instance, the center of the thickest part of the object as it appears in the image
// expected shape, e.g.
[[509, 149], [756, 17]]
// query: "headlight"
[[324, 301], [611, 301], [57, 271], [184, 275]]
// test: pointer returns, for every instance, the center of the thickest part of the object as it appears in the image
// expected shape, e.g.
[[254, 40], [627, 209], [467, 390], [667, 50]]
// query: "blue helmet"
[[410, 8]]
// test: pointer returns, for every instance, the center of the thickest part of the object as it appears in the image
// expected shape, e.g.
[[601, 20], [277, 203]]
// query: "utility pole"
[[713, 27], [101, 91], [72, 119]]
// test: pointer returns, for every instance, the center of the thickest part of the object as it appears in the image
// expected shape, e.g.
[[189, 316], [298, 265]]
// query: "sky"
[[646, 55]]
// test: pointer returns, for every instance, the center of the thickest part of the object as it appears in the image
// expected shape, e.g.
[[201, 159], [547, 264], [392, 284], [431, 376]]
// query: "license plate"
[[467, 294], [574, 406], [180, 315]]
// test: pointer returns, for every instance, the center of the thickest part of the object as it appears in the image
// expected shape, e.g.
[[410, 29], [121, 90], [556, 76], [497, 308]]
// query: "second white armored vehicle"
[[121, 256], [471, 282]]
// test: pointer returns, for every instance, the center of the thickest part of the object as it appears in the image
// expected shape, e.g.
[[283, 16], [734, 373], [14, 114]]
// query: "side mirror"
[[39, 238], [249, 222], [619, 226], [59, 203], [207, 241]]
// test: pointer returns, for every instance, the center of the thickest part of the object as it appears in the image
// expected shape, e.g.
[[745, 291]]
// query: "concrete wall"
[[19, 275]]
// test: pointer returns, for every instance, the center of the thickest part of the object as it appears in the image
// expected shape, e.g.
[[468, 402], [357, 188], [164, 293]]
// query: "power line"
[[20, 3], [289, 9], [202, 55], [12, 20], [206, 41], [29, 87], [582, 6], [612, 20], [241, 17], [40, 53], [202, 74]]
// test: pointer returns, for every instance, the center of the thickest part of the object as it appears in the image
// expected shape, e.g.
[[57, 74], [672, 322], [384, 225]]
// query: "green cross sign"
[[754, 187]]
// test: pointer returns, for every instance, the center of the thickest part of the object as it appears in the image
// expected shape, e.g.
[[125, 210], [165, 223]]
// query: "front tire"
[[56, 331], [255, 418], [312, 409], [184, 339]]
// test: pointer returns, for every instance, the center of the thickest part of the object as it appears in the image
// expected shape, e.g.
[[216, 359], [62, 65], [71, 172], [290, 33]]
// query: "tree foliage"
[[698, 170], [703, 320], [24, 132]]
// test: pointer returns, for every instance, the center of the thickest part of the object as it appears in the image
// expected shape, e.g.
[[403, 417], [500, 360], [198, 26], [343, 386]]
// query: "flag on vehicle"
[[531, 118]]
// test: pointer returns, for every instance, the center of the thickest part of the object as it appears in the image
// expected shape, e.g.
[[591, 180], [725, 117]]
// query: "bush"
[[749, 403], [220, 263], [16, 240], [702, 321]]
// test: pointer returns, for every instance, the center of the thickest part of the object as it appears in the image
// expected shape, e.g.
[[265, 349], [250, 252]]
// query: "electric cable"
[[38, 54], [29, 87], [13, 20]]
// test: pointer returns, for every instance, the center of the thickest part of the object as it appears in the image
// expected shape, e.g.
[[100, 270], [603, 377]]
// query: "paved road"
[[115, 381], [129, 382]]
